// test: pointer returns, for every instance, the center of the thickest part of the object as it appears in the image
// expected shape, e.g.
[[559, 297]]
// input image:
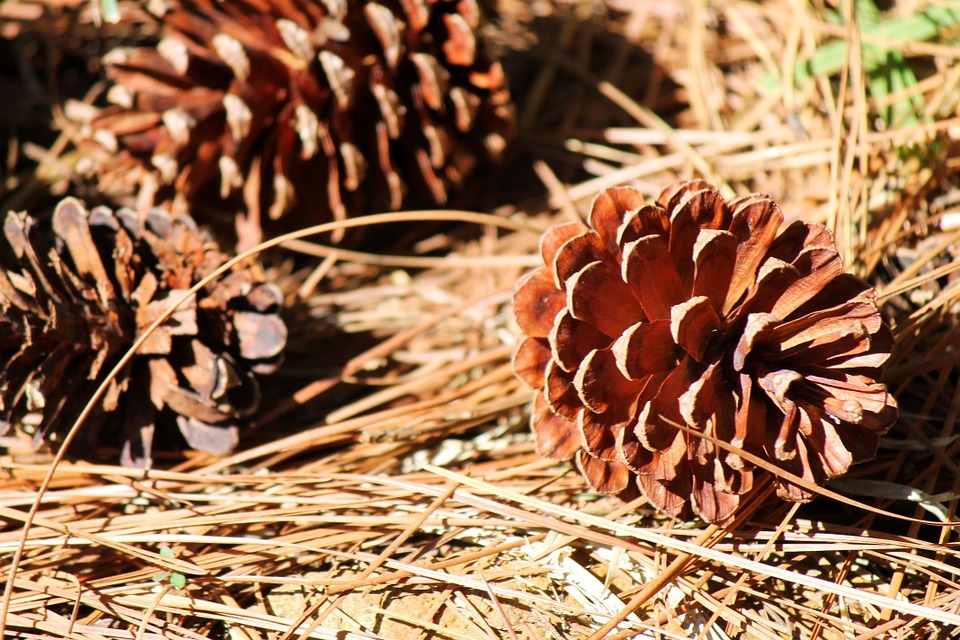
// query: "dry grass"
[[390, 489]]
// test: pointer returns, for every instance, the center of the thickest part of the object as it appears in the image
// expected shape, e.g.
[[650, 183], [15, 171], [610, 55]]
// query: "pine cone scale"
[[555, 437], [647, 220], [612, 208], [530, 361], [203, 437], [599, 382], [561, 393], [714, 255], [540, 303], [693, 325], [646, 349], [260, 337], [653, 426], [597, 296], [805, 288], [755, 226], [849, 320], [648, 260], [574, 255], [611, 476], [70, 226], [598, 433], [571, 340]]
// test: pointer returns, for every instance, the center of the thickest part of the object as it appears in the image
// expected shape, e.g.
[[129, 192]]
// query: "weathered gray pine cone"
[[74, 298], [297, 113], [696, 311]]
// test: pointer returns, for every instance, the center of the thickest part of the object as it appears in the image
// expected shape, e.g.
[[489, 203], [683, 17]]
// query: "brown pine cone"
[[75, 297], [303, 112], [695, 311]]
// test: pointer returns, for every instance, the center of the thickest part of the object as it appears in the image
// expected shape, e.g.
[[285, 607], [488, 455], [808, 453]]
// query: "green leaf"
[[867, 13], [178, 580], [831, 56]]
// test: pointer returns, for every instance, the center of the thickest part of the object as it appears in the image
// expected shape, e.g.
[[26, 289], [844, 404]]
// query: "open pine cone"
[[75, 297], [695, 311], [303, 112]]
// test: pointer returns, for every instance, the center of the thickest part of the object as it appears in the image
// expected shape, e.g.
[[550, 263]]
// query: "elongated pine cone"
[[306, 111], [694, 311], [74, 298]]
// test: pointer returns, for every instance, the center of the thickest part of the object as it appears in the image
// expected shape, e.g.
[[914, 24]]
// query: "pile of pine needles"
[[390, 488]]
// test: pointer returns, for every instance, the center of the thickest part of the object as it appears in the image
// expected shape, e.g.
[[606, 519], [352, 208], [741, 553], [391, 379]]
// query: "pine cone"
[[306, 111], [73, 301], [694, 311]]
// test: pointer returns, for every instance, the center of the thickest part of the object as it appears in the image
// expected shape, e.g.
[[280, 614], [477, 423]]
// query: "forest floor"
[[390, 487]]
